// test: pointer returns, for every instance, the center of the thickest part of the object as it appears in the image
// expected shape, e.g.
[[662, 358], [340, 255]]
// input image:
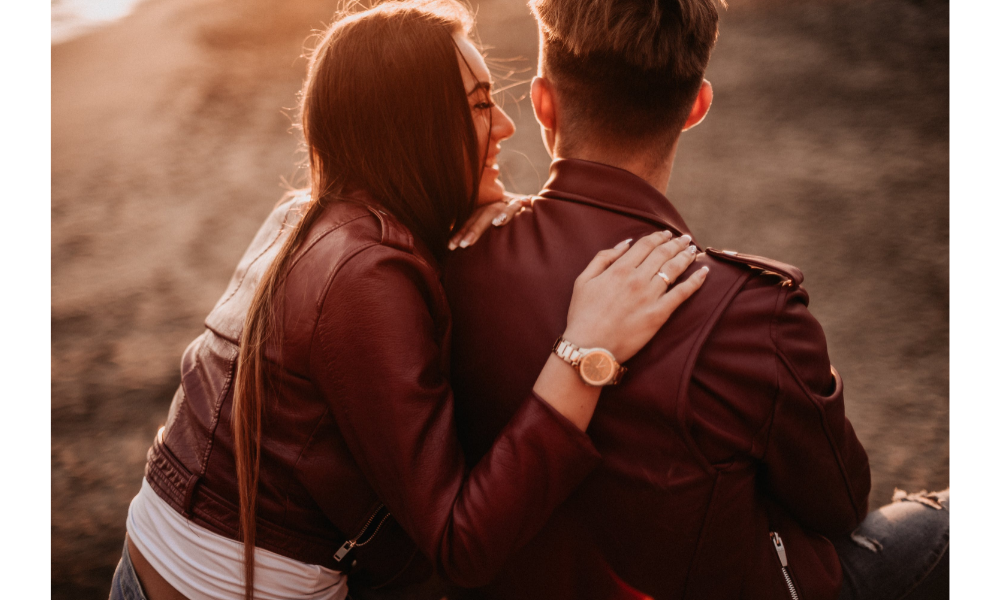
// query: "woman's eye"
[[484, 105]]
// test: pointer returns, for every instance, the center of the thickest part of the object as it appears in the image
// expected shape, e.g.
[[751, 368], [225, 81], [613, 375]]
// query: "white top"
[[203, 564]]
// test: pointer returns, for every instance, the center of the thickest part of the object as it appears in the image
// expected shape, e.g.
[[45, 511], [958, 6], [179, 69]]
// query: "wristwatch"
[[596, 366]]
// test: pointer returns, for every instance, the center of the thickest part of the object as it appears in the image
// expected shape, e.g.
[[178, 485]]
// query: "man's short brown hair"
[[626, 71]]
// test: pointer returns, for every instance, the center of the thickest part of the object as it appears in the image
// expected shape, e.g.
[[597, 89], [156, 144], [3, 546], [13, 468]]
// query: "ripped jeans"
[[899, 551]]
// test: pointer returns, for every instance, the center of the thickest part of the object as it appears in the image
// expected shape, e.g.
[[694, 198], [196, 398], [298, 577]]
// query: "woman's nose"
[[503, 126]]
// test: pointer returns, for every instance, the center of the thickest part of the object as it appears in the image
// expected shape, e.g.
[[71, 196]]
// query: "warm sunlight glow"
[[70, 18]]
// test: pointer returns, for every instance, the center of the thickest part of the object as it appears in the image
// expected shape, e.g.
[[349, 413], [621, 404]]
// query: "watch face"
[[597, 367]]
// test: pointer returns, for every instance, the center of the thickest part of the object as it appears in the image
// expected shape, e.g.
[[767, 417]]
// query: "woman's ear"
[[701, 105]]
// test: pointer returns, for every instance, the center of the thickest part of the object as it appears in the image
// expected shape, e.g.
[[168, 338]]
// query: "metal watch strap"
[[568, 351]]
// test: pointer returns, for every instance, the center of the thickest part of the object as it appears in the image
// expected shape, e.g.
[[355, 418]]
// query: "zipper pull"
[[779, 547], [347, 547]]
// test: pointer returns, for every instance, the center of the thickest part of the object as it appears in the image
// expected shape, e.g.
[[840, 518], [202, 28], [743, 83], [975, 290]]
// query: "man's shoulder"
[[752, 292], [789, 275]]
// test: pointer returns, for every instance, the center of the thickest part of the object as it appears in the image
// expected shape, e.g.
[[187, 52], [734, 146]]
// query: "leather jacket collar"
[[612, 189]]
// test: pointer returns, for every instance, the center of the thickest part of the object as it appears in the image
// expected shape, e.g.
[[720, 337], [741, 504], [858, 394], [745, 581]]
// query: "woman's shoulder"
[[356, 244], [355, 232]]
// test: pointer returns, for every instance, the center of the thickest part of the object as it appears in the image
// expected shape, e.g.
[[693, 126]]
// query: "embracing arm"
[[379, 357], [378, 362]]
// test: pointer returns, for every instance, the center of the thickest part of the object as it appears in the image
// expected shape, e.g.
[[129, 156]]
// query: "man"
[[728, 461]]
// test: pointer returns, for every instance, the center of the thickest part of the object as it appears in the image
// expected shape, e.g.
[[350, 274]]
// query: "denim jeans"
[[125, 583], [899, 551]]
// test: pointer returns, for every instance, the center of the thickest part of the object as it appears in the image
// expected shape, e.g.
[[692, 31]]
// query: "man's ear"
[[543, 103], [701, 105]]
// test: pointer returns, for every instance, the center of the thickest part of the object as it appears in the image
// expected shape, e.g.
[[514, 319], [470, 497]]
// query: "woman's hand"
[[619, 302], [626, 294], [496, 213]]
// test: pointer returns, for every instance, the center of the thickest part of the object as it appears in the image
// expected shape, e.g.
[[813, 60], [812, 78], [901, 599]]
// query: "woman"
[[314, 420]]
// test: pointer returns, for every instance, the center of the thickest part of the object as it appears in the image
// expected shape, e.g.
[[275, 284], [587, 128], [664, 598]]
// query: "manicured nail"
[[670, 234], [692, 249], [500, 220], [466, 242], [623, 244], [686, 239], [452, 245], [704, 271]]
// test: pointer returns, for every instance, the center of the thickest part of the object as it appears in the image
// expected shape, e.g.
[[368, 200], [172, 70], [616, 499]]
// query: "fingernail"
[[670, 234], [623, 244], [704, 270], [452, 245], [686, 238], [692, 249], [500, 220]]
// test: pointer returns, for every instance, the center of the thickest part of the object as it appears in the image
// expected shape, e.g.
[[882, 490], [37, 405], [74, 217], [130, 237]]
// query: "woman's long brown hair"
[[384, 110]]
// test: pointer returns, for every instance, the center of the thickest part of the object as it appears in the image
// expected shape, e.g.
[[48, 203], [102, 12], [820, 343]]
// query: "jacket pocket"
[[779, 548], [367, 533], [382, 556]]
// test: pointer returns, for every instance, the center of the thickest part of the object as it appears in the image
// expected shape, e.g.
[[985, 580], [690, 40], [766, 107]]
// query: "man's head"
[[622, 75]]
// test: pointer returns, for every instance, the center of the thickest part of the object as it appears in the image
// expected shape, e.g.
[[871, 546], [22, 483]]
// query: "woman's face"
[[492, 123]]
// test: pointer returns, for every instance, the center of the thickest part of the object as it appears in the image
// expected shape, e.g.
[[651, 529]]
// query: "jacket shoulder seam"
[[236, 288], [773, 335], [321, 236], [321, 301], [683, 404]]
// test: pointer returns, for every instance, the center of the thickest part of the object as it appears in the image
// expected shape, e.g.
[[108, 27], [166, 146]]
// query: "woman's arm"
[[376, 357]]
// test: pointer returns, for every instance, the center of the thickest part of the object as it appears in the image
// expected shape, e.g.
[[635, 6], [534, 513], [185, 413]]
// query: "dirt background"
[[827, 147]]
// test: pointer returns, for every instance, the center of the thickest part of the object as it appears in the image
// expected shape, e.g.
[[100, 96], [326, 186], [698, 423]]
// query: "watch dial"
[[597, 368]]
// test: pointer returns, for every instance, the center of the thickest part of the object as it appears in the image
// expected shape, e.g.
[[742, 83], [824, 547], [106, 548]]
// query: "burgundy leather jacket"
[[363, 423], [729, 424]]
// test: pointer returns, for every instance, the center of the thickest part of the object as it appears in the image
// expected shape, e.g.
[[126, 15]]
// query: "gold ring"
[[664, 277]]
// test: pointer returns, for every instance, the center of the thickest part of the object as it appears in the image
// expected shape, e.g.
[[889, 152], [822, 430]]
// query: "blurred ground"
[[827, 148]]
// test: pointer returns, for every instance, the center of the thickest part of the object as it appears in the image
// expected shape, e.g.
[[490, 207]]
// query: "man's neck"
[[655, 170]]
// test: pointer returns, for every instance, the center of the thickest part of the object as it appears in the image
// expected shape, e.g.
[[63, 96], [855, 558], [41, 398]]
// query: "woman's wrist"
[[560, 385]]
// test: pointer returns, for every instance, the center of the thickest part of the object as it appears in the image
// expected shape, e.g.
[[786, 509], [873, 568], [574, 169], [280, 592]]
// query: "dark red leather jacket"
[[364, 418], [728, 425]]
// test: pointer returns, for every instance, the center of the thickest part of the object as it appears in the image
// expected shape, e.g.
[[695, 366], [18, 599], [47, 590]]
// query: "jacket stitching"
[[277, 236], [217, 413], [773, 332], [319, 238]]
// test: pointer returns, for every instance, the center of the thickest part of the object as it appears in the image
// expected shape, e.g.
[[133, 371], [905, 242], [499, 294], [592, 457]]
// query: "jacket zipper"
[[779, 547], [357, 541]]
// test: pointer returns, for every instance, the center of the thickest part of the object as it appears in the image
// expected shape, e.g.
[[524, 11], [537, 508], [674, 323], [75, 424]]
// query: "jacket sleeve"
[[377, 359], [763, 387], [815, 465]]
